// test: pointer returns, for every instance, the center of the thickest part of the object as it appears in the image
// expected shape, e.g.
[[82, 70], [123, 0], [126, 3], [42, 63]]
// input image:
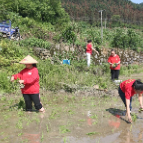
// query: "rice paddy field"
[[69, 119]]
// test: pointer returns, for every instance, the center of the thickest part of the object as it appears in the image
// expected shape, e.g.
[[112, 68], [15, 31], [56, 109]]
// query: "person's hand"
[[12, 79], [130, 118], [21, 81]]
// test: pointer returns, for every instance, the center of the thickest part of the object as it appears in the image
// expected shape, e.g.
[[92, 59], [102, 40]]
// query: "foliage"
[[34, 42], [126, 38], [10, 52], [45, 10], [69, 35]]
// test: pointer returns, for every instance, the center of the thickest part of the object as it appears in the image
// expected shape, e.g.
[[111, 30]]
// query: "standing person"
[[126, 90], [89, 49], [114, 61], [29, 77]]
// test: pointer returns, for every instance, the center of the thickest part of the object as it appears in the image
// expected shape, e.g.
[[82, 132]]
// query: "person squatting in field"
[[30, 78], [89, 49], [127, 89], [114, 61]]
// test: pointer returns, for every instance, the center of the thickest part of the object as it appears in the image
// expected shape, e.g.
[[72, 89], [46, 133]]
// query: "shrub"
[[34, 42], [126, 38]]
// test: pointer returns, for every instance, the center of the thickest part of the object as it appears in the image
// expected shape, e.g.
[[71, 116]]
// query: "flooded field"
[[69, 119]]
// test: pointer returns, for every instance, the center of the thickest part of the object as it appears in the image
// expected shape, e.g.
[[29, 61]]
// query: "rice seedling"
[[82, 120], [19, 124], [134, 117], [42, 137], [53, 114], [92, 133], [63, 129], [47, 128], [65, 140], [19, 134], [94, 116], [20, 113], [70, 112]]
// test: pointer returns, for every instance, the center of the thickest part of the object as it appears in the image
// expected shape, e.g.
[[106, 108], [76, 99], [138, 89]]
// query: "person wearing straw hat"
[[29, 77]]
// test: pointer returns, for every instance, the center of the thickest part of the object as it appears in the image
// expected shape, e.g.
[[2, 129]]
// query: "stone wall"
[[127, 56]]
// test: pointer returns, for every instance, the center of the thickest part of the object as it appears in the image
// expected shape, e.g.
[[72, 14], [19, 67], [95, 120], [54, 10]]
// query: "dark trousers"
[[28, 101], [122, 96], [115, 74]]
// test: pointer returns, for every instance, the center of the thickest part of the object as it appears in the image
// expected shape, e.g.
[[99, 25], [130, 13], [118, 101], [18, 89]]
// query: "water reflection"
[[34, 137]]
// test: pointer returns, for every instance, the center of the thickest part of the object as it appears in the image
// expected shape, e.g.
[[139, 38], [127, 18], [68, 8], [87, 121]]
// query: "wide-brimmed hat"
[[28, 60]]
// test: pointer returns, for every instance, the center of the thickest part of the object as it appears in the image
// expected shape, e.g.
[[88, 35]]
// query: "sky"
[[137, 1]]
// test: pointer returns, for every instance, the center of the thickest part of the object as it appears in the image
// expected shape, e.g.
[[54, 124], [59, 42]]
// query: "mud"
[[69, 119]]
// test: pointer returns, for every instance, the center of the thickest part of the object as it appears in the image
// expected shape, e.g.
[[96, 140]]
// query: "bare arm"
[[128, 110], [95, 50]]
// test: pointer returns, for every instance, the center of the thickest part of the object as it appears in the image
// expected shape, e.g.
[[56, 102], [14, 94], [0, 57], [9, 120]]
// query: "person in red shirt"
[[127, 89], [29, 77], [89, 49], [114, 61]]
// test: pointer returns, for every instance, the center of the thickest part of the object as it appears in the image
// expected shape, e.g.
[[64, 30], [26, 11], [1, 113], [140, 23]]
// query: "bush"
[[34, 42], [126, 38], [69, 35]]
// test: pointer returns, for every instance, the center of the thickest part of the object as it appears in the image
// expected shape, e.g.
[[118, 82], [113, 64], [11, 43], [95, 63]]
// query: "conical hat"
[[28, 60]]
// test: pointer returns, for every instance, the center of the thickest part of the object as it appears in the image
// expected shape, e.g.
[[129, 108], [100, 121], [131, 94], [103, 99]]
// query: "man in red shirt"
[[127, 89], [89, 49], [114, 61]]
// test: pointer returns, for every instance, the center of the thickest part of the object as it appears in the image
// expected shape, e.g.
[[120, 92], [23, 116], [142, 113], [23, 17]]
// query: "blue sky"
[[137, 1]]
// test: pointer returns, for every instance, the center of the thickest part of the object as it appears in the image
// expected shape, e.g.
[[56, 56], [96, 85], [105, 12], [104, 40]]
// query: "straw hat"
[[28, 60]]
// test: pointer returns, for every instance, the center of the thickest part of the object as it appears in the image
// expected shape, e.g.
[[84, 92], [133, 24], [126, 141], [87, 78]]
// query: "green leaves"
[[45, 10], [126, 38], [69, 35], [34, 42]]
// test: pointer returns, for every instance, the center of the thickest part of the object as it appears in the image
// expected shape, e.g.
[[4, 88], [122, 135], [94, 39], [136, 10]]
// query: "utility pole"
[[101, 25], [105, 19]]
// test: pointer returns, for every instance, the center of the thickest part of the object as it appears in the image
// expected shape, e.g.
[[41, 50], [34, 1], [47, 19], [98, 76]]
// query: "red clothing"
[[89, 48], [113, 60], [126, 87], [31, 80]]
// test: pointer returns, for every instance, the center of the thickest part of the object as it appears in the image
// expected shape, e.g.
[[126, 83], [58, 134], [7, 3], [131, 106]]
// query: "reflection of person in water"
[[127, 89]]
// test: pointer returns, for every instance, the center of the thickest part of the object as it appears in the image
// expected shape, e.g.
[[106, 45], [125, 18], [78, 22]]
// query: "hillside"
[[116, 10]]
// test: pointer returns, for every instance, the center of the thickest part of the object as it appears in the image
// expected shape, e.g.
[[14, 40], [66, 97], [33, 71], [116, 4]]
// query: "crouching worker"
[[29, 77], [127, 89]]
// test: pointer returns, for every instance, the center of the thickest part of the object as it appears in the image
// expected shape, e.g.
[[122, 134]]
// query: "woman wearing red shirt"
[[127, 89], [114, 61], [29, 77], [89, 49]]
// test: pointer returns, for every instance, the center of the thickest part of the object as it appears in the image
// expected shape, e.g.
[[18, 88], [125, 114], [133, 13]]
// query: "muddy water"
[[70, 119]]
